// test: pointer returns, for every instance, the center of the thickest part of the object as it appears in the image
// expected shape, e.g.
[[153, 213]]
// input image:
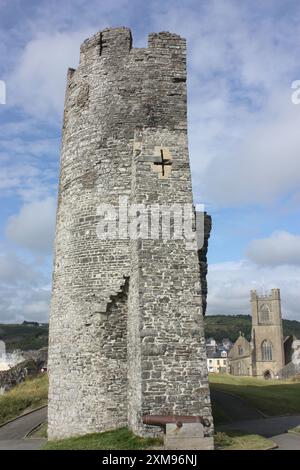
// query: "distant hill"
[[31, 336], [229, 326], [27, 336]]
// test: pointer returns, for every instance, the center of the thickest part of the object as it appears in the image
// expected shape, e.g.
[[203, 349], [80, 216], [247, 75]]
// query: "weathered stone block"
[[188, 436]]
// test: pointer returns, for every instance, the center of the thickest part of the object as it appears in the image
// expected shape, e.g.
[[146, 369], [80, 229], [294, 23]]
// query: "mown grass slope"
[[272, 397], [238, 440], [29, 395]]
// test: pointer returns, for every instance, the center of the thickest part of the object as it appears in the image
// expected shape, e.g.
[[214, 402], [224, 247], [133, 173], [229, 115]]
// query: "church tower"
[[126, 338], [267, 335]]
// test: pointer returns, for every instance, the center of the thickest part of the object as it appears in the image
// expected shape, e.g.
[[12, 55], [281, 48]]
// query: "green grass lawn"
[[272, 397], [24, 397], [123, 439], [238, 440], [120, 439]]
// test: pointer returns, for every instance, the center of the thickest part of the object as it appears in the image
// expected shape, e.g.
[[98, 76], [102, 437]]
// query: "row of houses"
[[217, 355]]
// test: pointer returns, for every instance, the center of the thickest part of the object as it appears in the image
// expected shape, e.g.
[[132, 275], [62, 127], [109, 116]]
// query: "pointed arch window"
[[266, 350], [264, 313]]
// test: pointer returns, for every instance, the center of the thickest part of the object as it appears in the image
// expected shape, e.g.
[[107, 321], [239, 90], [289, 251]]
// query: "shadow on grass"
[[271, 398]]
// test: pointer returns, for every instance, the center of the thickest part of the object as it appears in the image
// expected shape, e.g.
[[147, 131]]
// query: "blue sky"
[[243, 132]]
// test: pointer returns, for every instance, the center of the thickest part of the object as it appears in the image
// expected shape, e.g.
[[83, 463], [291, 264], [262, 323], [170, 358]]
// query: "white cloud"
[[263, 167], [38, 82], [243, 128], [37, 307], [26, 179], [24, 304], [28, 160], [244, 136], [281, 248], [229, 286], [17, 272], [21, 147], [24, 289], [33, 227], [13, 177]]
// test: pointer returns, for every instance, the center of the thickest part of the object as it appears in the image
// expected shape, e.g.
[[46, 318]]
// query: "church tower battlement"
[[126, 329]]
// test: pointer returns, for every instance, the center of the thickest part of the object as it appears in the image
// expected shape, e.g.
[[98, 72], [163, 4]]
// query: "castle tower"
[[126, 327], [267, 336]]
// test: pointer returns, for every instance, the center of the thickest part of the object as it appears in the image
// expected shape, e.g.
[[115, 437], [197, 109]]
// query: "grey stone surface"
[[190, 436], [12, 434], [126, 329], [191, 443], [23, 444], [287, 441], [185, 430]]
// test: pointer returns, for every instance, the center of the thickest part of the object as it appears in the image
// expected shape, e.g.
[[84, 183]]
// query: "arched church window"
[[241, 350], [266, 351], [264, 313]]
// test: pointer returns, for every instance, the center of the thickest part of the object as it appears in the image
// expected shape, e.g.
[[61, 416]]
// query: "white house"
[[217, 362]]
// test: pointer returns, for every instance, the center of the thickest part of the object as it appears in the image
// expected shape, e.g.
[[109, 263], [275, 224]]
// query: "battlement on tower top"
[[117, 42], [273, 295]]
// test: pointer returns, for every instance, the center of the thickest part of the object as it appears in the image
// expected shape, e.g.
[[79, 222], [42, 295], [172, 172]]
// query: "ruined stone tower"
[[126, 329], [267, 335]]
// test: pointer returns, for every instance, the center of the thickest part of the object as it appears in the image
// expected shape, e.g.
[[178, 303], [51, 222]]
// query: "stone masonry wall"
[[171, 358], [97, 362]]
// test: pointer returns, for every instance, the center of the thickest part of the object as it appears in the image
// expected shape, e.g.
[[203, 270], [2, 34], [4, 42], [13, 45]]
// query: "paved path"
[[287, 441], [245, 418], [274, 428], [22, 444], [12, 434]]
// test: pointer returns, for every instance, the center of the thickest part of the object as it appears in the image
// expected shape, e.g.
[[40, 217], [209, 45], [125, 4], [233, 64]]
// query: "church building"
[[264, 355]]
